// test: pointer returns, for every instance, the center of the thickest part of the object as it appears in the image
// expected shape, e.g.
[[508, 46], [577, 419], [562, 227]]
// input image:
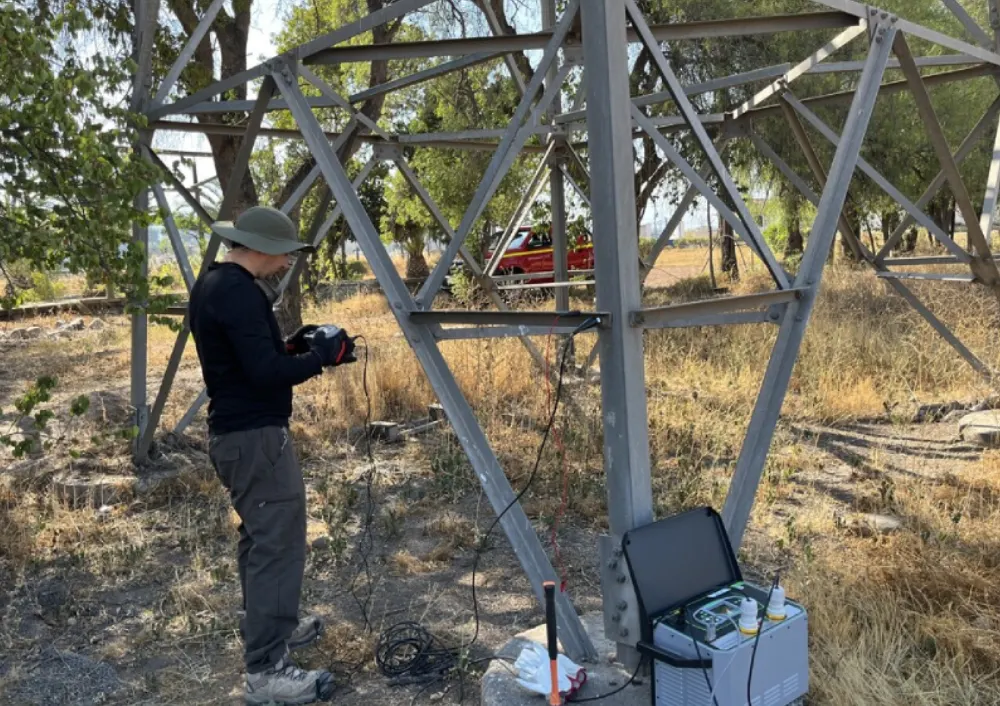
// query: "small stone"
[[884, 524], [321, 543], [981, 428], [954, 416], [104, 511], [71, 621], [97, 325], [108, 407], [98, 490], [26, 334], [74, 325]]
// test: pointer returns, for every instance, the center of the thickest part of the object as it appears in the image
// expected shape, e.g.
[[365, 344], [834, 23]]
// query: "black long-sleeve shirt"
[[247, 371]]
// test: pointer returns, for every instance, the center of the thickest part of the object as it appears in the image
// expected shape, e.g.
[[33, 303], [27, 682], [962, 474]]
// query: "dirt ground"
[[134, 598]]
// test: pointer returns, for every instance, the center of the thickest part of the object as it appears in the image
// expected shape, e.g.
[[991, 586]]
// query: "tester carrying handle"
[[550, 628]]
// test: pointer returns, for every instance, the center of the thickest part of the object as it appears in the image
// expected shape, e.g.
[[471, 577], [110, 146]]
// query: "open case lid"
[[677, 559]]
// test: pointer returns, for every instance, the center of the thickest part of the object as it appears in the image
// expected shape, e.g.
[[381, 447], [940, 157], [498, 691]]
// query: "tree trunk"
[[289, 310], [730, 266], [711, 254], [796, 243], [416, 266], [854, 221], [289, 313], [890, 222], [910, 240], [941, 212]]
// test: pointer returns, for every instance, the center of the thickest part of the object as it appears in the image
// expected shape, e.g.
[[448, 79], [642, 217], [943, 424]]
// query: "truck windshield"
[[518, 241]]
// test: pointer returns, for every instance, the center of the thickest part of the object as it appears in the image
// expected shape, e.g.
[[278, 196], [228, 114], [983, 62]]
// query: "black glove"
[[296, 344], [333, 346]]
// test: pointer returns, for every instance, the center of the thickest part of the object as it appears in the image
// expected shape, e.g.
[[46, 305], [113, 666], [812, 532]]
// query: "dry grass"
[[908, 618]]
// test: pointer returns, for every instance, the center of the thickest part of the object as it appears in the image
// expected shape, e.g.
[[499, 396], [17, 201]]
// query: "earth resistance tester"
[[709, 632]]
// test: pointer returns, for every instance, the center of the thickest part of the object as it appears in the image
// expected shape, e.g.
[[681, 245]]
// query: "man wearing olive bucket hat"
[[249, 372]]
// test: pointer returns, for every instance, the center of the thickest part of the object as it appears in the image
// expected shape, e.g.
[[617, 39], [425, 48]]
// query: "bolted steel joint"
[[386, 152]]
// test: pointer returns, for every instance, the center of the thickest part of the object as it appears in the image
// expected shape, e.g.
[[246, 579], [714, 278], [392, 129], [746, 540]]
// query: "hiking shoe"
[[308, 631], [284, 684]]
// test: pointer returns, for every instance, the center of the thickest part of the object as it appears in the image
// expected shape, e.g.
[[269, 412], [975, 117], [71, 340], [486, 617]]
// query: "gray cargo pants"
[[261, 471]]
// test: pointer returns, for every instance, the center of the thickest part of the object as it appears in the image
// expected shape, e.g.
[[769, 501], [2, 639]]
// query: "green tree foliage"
[[68, 178], [896, 143], [483, 97]]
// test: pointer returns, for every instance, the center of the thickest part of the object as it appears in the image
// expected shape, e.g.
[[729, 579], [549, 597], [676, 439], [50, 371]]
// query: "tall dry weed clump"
[[913, 617]]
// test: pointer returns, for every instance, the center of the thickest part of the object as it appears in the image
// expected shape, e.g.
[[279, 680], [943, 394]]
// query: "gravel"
[[62, 679]]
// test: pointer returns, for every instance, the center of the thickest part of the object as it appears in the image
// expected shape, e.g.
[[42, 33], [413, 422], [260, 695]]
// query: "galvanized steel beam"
[[750, 465], [983, 266], [420, 338], [475, 317], [963, 151], [800, 69], [387, 14], [477, 272], [911, 28], [240, 167], [926, 276], [883, 183], [693, 120], [187, 52], [657, 317], [506, 153], [176, 242], [616, 256]]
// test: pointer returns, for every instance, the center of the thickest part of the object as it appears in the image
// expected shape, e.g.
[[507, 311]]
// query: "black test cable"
[[407, 652], [760, 629], [585, 326], [364, 551], [408, 648], [621, 688]]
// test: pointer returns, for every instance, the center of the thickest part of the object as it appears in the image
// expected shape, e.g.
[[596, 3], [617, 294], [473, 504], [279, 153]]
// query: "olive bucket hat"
[[263, 229]]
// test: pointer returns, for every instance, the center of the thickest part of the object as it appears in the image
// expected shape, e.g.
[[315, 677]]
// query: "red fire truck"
[[531, 252]]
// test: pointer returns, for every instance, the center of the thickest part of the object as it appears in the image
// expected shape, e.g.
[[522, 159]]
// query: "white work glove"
[[534, 674]]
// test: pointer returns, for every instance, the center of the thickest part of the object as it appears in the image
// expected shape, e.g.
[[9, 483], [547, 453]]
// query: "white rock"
[[108, 407], [884, 524], [74, 325], [26, 334], [97, 325], [982, 428]]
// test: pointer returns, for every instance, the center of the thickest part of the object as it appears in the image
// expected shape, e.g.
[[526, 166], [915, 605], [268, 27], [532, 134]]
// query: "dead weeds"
[[910, 617]]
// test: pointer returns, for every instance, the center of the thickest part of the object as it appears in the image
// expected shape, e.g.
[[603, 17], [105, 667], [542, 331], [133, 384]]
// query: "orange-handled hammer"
[[550, 627]]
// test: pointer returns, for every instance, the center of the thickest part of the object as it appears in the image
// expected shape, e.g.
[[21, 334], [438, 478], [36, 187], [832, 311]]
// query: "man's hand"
[[333, 346], [296, 344]]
